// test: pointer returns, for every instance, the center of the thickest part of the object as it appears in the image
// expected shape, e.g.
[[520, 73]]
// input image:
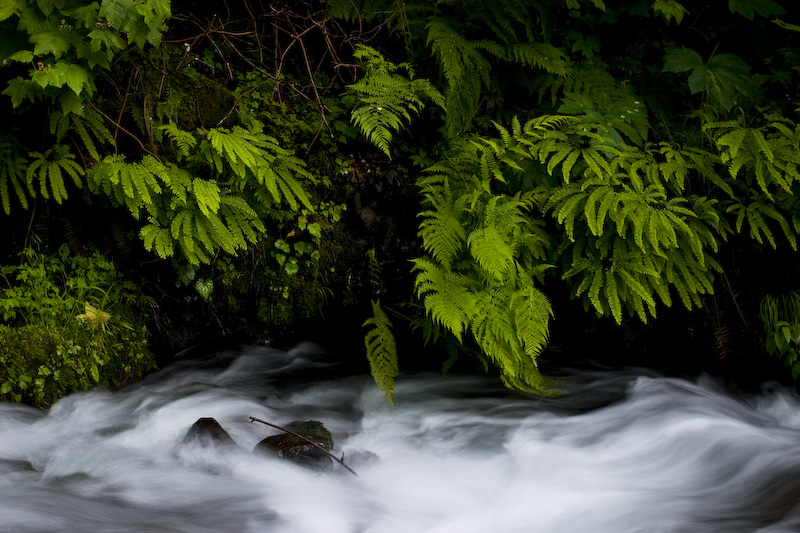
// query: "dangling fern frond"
[[756, 215], [157, 239], [492, 244], [12, 174], [381, 350], [465, 70], [89, 126], [532, 314], [207, 195]]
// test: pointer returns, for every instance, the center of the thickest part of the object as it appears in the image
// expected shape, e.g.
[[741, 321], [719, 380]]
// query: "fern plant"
[[628, 239], [252, 177], [485, 255]]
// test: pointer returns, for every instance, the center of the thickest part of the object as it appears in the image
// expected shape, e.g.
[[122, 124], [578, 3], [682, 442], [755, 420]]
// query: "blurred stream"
[[625, 451]]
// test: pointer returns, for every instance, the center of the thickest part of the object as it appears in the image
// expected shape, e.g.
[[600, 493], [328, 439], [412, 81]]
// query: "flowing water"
[[626, 451]]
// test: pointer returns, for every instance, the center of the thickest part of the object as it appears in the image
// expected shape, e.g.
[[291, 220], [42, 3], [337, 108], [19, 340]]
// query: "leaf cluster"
[[50, 345]]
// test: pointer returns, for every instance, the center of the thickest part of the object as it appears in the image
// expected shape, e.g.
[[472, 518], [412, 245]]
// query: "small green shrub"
[[70, 323], [781, 318]]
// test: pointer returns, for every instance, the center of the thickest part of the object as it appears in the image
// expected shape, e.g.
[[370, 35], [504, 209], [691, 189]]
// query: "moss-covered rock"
[[299, 450]]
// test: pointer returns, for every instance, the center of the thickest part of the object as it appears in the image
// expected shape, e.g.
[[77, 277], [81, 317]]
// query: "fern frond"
[[442, 228], [447, 295], [12, 174], [491, 251], [130, 185], [532, 313], [465, 70], [48, 169], [381, 350], [185, 141], [207, 195], [260, 156], [539, 55], [387, 98], [157, 239]]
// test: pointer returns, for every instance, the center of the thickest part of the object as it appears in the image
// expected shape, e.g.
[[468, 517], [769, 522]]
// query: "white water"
[[624, 453]]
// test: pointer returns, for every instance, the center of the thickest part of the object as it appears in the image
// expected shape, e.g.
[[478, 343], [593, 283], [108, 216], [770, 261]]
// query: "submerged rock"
[[207, 432], [299, 450]]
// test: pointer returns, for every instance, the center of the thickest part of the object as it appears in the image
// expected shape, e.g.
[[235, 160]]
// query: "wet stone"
[[207, 432], [298, 450]]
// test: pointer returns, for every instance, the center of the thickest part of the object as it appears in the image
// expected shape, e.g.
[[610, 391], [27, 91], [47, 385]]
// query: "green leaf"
[[796, 370], [23, 56], [63, 73], [670, 9], [9, 8], [786, 25], [56, 43], [387, 98], [748, 8], [20, 89], [681, 60], [204, 287]]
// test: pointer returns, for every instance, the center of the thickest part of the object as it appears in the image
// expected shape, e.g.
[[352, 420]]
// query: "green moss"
[[72, 323], [38, 365]]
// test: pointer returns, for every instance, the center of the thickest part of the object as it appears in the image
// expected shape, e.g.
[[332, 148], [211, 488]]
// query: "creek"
[[623, 451]]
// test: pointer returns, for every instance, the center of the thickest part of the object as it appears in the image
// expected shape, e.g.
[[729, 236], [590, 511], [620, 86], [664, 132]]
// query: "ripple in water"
[[625, 452]]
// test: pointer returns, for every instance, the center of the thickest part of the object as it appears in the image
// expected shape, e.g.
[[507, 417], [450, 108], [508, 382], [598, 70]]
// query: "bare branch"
[[340, 461]]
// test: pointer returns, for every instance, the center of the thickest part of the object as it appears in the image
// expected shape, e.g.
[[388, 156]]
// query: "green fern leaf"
[[381, 351], [532, 313], [539, 55], [157, 239], [446, 295], [49, 169], [12, 174], [465, 69], [185, 141], [612, 296], [442, 228], [388, 99], [491, 251], [206, 194]]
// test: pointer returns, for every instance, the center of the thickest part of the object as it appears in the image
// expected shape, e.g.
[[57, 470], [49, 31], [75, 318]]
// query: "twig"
[[236, 102], [28, 232], [118, 125], [340, 461]]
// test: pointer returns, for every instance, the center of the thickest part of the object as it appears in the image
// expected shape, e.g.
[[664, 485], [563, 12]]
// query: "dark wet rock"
[[8, 466], [299, 450], [207, 432]]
